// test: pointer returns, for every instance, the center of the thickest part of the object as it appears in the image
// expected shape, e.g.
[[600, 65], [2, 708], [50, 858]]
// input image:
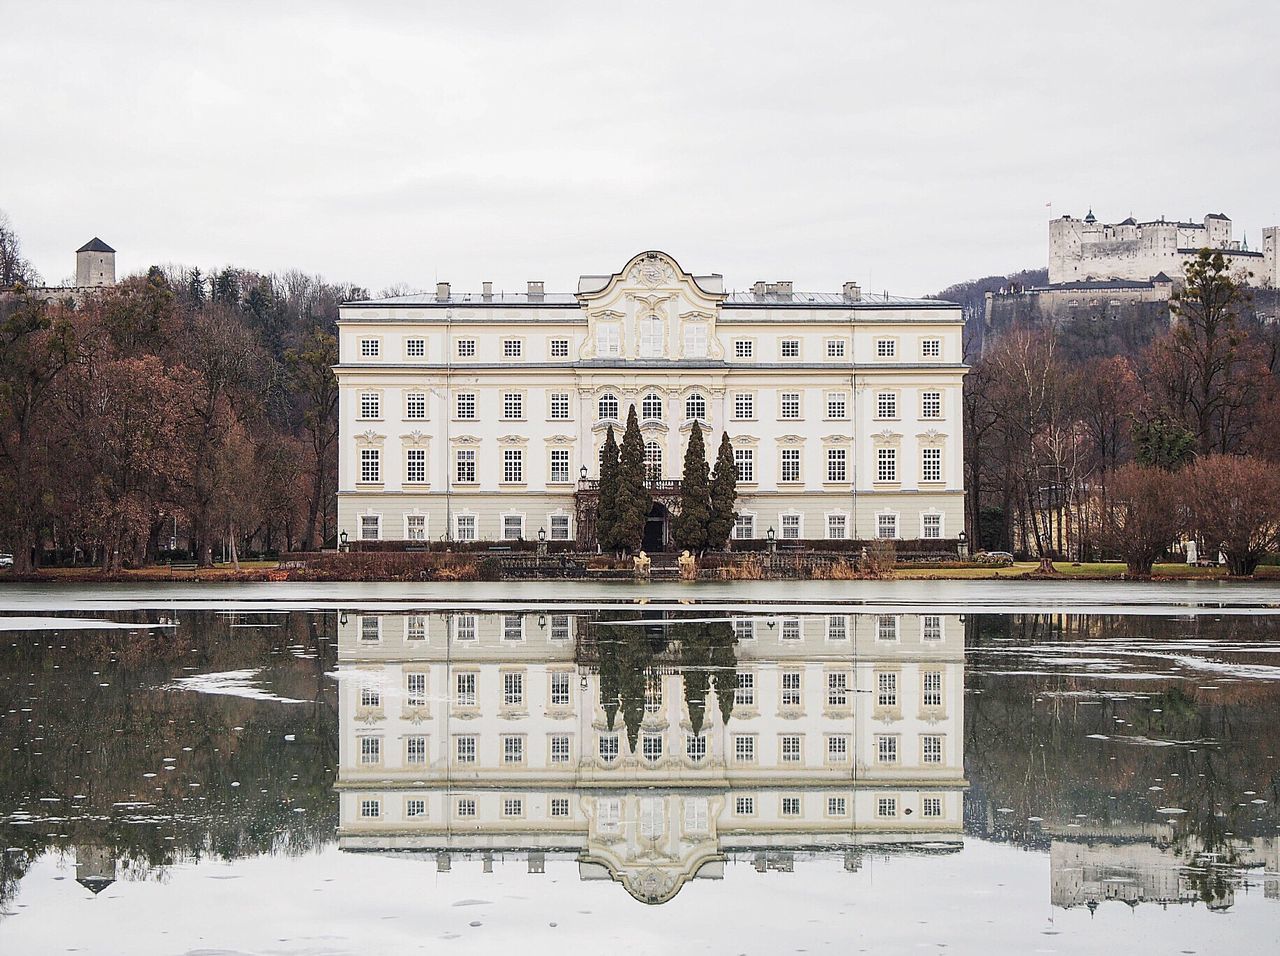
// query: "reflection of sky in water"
[[191, 770]]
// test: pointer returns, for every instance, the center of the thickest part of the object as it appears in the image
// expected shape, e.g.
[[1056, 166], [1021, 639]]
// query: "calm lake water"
[[759, 768]]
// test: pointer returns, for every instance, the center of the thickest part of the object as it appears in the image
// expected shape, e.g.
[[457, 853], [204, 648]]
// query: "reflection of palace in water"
[[651, 749]]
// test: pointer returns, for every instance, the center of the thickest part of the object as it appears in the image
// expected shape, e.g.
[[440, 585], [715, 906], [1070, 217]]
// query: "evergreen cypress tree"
[[724, 495], [606, 503], [690, 525], [632, 503]]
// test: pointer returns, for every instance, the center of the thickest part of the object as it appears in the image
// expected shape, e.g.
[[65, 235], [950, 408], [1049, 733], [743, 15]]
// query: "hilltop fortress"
[[1086, 250]]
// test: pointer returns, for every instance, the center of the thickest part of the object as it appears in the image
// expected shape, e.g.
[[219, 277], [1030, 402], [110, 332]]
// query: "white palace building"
[[481, 416]]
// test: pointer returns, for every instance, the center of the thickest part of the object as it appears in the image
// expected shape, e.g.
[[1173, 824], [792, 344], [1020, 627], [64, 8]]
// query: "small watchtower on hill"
[[95, 264]]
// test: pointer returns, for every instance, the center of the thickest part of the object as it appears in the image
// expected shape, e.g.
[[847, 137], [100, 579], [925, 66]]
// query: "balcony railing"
[[660, 485]]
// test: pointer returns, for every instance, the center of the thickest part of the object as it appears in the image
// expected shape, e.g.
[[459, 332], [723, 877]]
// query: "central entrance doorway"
[[655, 528]]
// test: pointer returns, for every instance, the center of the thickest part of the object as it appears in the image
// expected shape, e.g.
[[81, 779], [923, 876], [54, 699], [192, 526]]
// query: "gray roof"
[[95, 245], [1218, 215], [738, 300]]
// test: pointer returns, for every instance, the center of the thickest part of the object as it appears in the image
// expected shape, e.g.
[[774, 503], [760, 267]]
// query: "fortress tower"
[[95, 264]]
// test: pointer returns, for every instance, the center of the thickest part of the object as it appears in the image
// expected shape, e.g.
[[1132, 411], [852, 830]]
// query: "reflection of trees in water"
[[1036, 757], [100, 719], [631, 657]]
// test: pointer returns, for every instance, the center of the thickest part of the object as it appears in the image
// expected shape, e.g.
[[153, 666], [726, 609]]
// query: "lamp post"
[[542, 542], [582, 472], [963, 547], [772, 537], [342, 541]]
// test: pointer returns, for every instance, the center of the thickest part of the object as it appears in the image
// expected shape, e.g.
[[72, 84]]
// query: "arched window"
[[652, 460], [651, 337], [609, 406], [651, 407], [695, 406]]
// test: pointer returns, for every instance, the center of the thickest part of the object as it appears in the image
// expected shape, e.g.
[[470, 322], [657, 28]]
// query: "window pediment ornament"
[[837, 439], [790, 439], [932, 435], [887, 434], [369, 437], [744, 440], [559, 439], [415, 437], [514, 440], [652, 426], [608, 315], [465, 440]]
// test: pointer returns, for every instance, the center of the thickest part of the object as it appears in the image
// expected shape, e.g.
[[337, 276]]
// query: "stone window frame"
[[800, 403], [426, 524], [568, 479], [568, 400], [377, 347], [378, 396], [426, 404], [518, 341], [523, 395], [826, 405], [408, 339], [826, 523]]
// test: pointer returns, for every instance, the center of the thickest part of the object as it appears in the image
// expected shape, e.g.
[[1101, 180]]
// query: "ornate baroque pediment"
[[370, 437], [465, 440], [415, 438]]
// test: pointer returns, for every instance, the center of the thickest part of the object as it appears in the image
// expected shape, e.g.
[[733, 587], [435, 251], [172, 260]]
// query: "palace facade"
[[482, 416]]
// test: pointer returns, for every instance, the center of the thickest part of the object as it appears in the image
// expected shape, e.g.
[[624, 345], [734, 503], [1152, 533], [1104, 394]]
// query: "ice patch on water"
[[71, 624], [241, 683]]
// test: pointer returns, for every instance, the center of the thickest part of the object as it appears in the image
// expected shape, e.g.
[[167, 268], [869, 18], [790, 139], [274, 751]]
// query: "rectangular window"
[[608, 340], [695, 815], [886, 748], [744, 527], [415, 471], [886, 627], [790, 348], [931, 807], [743, 348], [837, 527], [886, 526], [466, 406], [837, 469], [513, 465], [370, 405], [415, 348], [560, 466], [512, 807], [932, 689], [838, 687], [415, 625], [835, 348], [744, 629], [790, 527], [695, 340], [465, 748], [512, 406], [416, 750], [370, 697], [559, 622], [512, 748], [744, 748], [415, 689], [560, 682], [370, 749], [791, 806], [744, 405], [370, 348], [931, 627], [695, 746], [791, 629], [370, 809], [512, 527], [887, 807], [886, 348], [791, 688], [651, 747], [370, 464], [512, 689], [512, 348], [415, 405], [466, 807], [887, 690], [608, 747], [837, 748], [745, 461], [931, 348], [559, 806], [466, 524], [837, 405], [559, 524], [466, 348], [886, 464], [744, 806], [790, 405], [791, 748], [887, 405], [560, 406], [466, 471], [415, 807], [931, 748], [513, 627], [370, 527], [370, 628], [790, 464], [835, 806], [931, 405], [931, 526], [466, 685], [931, 464], [744, 695], [559, 348]]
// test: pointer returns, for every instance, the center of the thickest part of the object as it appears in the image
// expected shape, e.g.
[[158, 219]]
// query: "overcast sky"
[[905, 145]]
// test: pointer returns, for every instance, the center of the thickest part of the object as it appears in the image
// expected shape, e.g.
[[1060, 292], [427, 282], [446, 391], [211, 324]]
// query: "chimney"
[[487, 294], [758, 289], [535, 291], [852, 292], [442, 292], [784, 289], [771, 288]]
